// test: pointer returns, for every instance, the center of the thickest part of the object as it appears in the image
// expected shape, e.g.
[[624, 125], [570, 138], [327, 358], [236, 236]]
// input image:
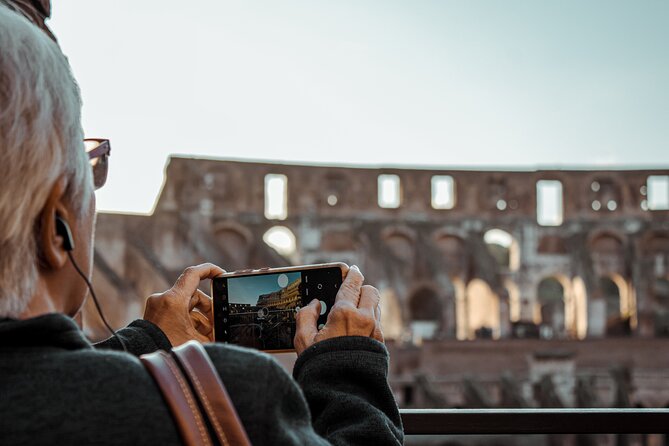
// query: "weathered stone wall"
[[494, 365], [605, 270]]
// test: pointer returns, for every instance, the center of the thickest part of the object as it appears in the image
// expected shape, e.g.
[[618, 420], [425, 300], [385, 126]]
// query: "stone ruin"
[[521, 261]]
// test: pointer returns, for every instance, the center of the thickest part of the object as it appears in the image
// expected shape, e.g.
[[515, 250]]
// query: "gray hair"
[[41, 140]]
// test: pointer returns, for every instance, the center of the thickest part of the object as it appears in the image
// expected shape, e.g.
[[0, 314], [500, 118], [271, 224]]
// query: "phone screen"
[[258, 310]]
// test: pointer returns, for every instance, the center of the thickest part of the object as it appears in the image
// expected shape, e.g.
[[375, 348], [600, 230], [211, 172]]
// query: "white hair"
[[41, 140]]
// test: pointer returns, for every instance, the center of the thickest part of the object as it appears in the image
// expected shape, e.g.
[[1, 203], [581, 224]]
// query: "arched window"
[[425, 309], [453, 253], [400, 242], [607, 253], [550, 297], [503, 247], [282, 240], [617, 322], [607, 244], [483, 319], [611, 297], [233, 243]]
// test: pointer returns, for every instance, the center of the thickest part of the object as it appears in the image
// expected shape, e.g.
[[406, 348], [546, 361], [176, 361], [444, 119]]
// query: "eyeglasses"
[[98, 153]]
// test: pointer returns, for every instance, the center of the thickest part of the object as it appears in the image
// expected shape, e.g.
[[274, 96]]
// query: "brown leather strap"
[[211, 393], [179, 398]]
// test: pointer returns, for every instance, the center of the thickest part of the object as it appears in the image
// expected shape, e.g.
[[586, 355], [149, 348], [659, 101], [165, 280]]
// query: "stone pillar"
[[504, 318]]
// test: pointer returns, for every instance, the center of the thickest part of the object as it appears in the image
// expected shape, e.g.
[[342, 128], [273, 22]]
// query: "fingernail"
[[355, 267]]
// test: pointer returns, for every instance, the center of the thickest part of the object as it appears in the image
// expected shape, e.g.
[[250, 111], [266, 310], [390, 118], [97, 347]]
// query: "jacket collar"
[[49, 330]]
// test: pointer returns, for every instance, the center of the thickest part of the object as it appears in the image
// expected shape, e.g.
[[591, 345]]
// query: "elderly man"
[[55, 387]]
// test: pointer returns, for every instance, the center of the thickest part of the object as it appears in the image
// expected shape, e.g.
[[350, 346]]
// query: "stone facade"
[[474, 274]]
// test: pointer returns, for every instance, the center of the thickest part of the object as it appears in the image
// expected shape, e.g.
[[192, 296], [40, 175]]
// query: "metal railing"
[[534, 421]]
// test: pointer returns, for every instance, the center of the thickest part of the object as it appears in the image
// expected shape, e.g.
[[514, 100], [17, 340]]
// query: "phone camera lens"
[[319, 286]]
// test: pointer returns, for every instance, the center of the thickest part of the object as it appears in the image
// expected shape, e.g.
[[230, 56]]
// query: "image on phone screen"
[[259, 310]]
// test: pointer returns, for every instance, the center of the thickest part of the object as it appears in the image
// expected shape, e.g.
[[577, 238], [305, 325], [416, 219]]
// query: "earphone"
[[63, 229]]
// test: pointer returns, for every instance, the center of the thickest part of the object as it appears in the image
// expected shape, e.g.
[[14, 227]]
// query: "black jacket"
[[56, 388]]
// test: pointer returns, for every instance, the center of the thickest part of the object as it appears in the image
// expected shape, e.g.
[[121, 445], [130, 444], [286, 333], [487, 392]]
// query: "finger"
[[306, 329], [190, 279], [200, 301], [350, 288], [201, 323], [369, 300]]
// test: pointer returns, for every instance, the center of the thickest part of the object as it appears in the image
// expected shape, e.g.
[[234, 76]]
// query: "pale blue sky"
[[247, 290], [435, 83]]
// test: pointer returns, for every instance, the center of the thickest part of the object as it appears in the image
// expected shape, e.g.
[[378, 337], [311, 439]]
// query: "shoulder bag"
[[196, 396]]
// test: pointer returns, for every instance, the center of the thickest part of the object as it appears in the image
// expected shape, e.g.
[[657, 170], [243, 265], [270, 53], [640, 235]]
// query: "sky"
[[435, 84], [247, 290]]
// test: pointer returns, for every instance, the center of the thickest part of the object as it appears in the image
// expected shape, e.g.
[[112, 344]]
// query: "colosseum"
[[542, 288]]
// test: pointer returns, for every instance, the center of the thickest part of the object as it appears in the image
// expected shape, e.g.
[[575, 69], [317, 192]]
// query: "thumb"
[[306, 330]]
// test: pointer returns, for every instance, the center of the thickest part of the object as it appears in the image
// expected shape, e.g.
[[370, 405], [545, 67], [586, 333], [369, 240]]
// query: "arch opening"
[[551, 308], [483, 311], [400, 244], [503, 247], [233, 242], [453, 253], [282, 240], [616, 303], [425, 309], [607, 253]]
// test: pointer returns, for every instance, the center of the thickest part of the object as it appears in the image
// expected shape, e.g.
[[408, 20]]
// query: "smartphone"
[[257, 308]]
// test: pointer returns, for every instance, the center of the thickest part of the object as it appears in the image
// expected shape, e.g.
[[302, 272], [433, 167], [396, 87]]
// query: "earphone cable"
[[95, 300]]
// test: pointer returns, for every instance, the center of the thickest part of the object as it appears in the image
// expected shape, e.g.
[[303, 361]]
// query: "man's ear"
[[52, 242]]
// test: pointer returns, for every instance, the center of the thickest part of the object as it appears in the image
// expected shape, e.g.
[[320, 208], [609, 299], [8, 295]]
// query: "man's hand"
[[356, 312], [183, 312]]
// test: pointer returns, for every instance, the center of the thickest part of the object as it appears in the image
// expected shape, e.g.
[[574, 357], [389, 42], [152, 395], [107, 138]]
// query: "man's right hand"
[[356, 312], [183, 312]]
